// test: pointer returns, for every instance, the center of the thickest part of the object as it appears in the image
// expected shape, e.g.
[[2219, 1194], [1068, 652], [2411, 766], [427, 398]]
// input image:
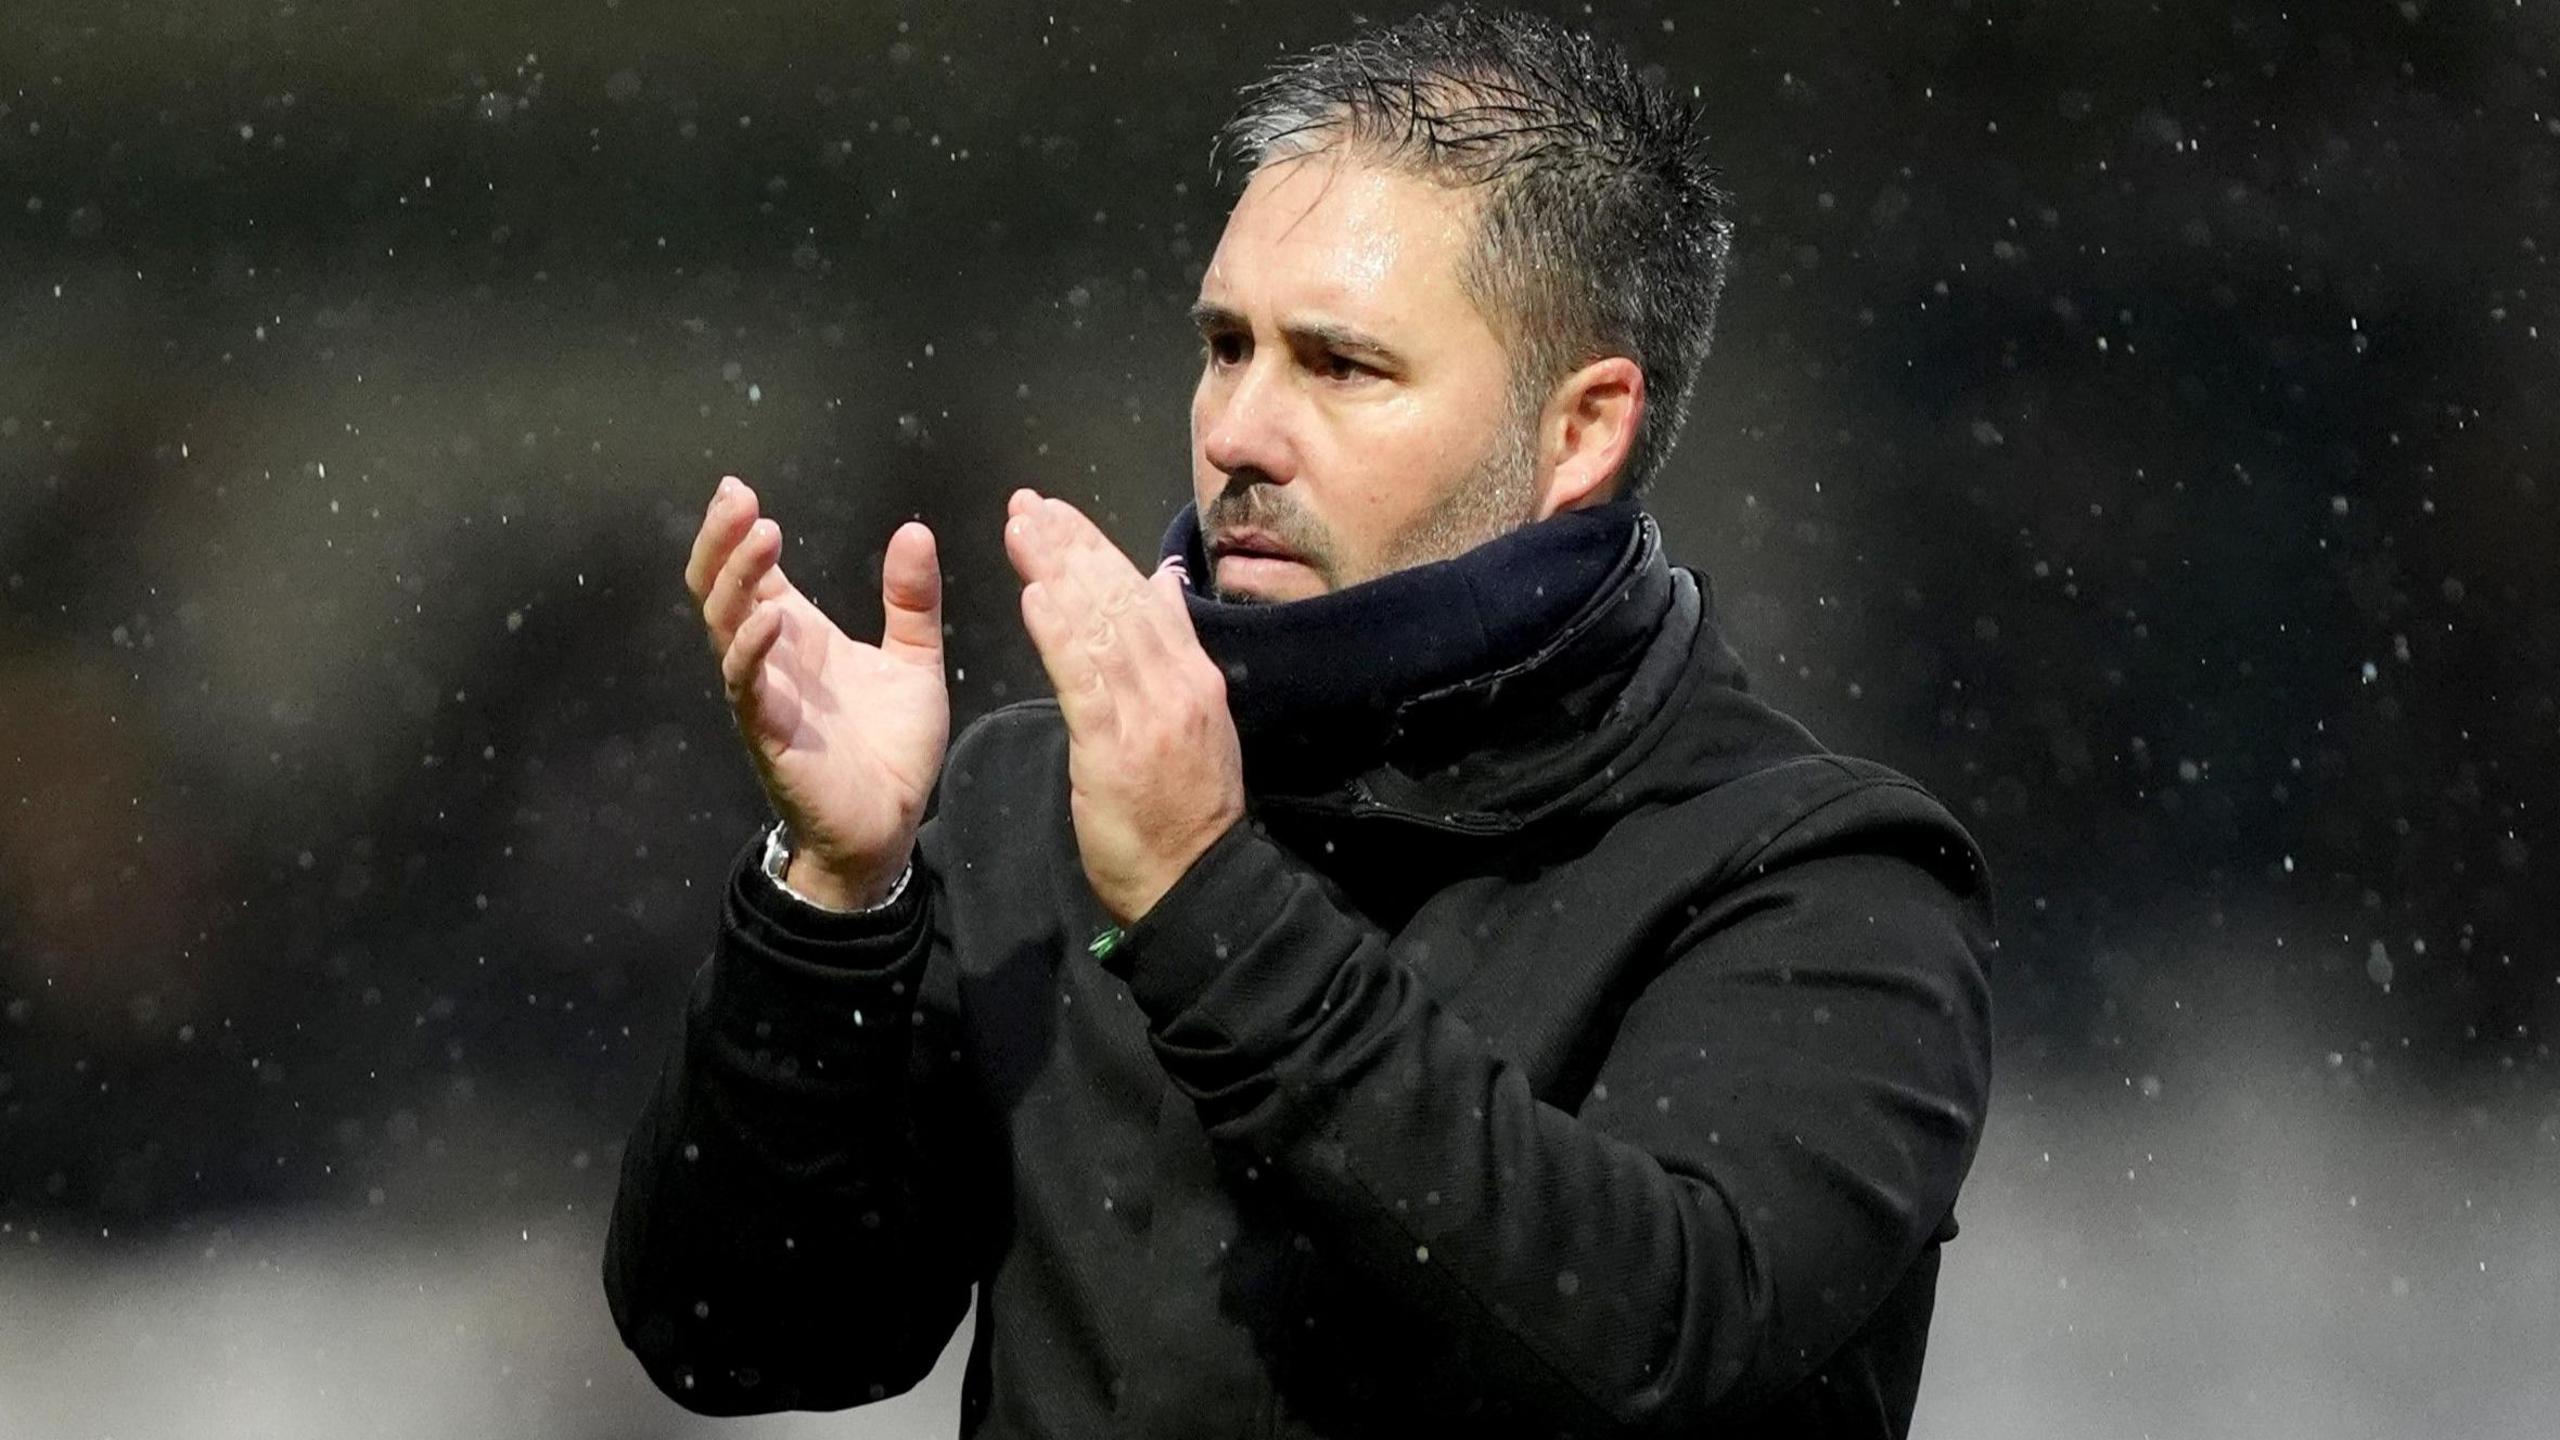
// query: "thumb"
[[911, 596], [1172, 584]]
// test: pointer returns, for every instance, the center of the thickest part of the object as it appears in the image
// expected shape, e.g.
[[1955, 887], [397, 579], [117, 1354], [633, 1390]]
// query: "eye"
[[1342, 367], [1223, 348]]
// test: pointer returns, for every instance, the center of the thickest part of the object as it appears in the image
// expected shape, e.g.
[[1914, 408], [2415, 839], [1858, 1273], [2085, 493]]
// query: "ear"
[[1589, 427]]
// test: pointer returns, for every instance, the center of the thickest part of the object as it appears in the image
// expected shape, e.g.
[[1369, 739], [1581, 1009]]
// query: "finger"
[[743, 660], [1088, 611], [1181, 637], [1171, 595], [1077, 551], [731, 511], [911, 597], [1123, 624], [1027, 543], [1114, 641], [1158, 608], [1115, 590], [1082, 697], [1069, 562], [1173, 589], [747, 576]]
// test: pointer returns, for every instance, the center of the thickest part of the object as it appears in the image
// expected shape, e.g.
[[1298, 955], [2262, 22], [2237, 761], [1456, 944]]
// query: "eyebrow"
[[1206, 317]]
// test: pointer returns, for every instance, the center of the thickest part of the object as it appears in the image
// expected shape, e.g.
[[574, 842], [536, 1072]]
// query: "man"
[[1403, 984]]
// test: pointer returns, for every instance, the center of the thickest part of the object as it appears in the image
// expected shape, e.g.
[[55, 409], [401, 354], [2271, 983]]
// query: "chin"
[[1240, 580]]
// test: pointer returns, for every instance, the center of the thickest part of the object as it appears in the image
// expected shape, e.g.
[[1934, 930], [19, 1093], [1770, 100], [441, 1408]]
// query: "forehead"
[[1327, 231]]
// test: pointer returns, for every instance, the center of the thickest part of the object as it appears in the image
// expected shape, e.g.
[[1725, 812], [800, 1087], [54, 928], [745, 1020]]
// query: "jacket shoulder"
[[1827, 803], [1000, 762], [1010, 724], [1007, 740]]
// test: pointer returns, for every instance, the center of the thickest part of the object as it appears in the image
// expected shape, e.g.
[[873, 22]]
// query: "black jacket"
[[1579, 1050]]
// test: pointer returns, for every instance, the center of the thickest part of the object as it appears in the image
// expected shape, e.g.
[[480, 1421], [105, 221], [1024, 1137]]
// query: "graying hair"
[[1602, 228]]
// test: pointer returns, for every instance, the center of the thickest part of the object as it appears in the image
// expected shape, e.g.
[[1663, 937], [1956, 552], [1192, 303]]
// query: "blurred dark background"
[[2134, 422]]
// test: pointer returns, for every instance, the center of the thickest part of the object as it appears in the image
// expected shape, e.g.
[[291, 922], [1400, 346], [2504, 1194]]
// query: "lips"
[[1251, 545]]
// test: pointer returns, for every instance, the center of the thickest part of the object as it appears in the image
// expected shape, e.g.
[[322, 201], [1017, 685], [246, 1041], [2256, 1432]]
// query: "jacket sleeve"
[[797, 1221], [1780, 1124]]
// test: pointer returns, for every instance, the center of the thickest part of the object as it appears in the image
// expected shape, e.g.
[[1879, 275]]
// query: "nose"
[[1244, 421]]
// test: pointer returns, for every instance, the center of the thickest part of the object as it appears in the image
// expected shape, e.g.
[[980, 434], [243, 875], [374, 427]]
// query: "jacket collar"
[[1468, 694]]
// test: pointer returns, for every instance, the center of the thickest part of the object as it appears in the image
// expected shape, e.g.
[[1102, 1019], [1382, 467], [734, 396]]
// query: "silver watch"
[[777, 859]]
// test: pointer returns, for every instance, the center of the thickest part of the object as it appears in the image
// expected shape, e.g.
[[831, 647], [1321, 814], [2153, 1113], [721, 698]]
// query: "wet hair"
[[1601, 228]]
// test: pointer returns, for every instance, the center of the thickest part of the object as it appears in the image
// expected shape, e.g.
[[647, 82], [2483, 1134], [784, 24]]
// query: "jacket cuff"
[[1243, 906], [777, 860], [790, 979], [779, 920]]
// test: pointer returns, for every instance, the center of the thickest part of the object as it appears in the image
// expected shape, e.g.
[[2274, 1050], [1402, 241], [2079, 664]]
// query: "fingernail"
[[728, 486]]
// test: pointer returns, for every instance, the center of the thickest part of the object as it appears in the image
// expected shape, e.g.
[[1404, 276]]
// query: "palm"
[[848, 735]]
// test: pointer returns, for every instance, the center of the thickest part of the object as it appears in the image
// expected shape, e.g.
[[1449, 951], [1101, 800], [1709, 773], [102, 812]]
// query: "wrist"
[[837, 890], [807, 877]]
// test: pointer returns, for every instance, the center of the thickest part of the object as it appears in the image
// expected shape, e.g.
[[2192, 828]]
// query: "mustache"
[[1263, 505]]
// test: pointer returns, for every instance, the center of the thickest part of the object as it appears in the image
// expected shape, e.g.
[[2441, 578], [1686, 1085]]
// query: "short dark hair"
[[1602, 229]]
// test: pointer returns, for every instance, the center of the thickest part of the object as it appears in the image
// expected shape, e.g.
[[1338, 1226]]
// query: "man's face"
[[1354, 414]]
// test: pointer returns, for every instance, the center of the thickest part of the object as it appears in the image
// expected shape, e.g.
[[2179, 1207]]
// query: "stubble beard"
[[1496, 497], [1500, 495]]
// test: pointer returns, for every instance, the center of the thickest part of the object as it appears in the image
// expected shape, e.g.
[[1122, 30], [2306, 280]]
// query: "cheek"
[[1205, 479], [1405, 453]]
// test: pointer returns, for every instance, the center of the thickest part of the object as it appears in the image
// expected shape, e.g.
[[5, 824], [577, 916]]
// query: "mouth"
[[1251, 545]]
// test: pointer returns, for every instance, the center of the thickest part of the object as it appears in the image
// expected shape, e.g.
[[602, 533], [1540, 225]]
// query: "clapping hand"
[[846, 737], [1155, 772]]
